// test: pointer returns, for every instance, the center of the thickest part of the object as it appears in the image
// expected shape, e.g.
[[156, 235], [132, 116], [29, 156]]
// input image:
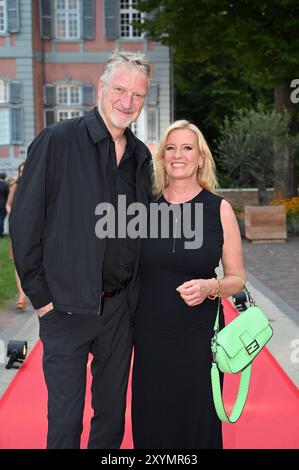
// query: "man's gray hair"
[[127, 59]]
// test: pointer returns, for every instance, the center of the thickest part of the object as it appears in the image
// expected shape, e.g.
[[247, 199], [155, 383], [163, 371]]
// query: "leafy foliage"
[[248, 143], [228, 55], [8, 287], [262, 36], [206, 93]]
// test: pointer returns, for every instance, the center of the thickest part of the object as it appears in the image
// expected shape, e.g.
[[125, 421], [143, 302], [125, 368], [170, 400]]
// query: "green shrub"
[[8, 287], [248, 144]]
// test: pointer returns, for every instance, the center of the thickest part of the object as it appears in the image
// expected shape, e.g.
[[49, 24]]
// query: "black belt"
[[110, 293]]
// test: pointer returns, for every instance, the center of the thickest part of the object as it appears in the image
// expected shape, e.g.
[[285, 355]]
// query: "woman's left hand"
[[194, 292]]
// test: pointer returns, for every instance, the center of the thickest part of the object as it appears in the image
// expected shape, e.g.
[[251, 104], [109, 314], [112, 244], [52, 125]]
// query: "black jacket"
[[52, 223]]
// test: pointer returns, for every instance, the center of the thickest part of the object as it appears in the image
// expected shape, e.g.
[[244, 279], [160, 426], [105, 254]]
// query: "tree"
[[208, 92], [261, 36], [247, 144]]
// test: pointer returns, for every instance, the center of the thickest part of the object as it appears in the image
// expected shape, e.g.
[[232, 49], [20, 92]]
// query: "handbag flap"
[[250, 324]]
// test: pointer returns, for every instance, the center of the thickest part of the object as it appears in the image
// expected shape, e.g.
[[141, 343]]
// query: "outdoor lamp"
[[240, 299], [16, 351]]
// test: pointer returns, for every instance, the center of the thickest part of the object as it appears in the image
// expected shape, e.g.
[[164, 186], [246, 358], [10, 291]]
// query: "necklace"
[[176, 218], [175, 227]]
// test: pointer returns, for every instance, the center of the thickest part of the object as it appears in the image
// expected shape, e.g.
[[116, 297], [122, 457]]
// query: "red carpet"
[[270, 419]]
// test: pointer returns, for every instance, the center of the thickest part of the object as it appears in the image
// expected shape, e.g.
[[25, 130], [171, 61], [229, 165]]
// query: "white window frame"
[[4, 29], [68, 112], [5, 85], [67, 12], [8, 135], [68, 88], [130, 10]]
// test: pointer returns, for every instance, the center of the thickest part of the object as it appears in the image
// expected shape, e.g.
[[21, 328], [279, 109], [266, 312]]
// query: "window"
[[68, 114], [146, 127], [3, 19], [65, 101], [4, 126], [11, 125], [69, 95], [128, 15], [11, 112], [67, 19], [9, 16], [139, 127], [3, 91]]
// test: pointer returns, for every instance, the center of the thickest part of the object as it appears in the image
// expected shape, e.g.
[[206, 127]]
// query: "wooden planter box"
[[265, 223]]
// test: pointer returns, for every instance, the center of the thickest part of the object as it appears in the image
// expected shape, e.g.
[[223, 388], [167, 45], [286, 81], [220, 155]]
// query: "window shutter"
[[111, 19], [152, 125], [46, 15], [88, 19], [15, 92], [87, 93], [17, 126], [13, 16], [152, 96], [49, 117], [50, 95]]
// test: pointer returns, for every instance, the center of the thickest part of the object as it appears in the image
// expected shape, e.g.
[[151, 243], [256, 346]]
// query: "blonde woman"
[[172, 404]]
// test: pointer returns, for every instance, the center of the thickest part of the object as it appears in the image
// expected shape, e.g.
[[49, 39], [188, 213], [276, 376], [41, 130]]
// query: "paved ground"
[[273, 279], [18, 326], [273, 274], [277, 266]]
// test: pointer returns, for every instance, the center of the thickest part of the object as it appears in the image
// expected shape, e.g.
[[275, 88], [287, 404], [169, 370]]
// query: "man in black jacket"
[[84, 287]]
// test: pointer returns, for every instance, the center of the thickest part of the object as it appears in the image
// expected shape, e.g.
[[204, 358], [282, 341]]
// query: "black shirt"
[[120, 253]]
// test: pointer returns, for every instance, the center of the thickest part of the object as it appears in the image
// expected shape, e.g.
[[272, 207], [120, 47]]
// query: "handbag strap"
[[250, 299], [241, 398], [249, 296], [215, 378]]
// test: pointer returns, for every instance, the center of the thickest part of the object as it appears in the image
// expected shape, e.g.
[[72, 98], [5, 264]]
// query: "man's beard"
[[114, 121], [120, 125]]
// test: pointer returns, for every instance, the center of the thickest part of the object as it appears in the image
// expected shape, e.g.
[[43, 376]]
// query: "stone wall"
[[240, 197]]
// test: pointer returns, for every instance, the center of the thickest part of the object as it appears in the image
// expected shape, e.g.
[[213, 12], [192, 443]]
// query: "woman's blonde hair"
[[206, 175]]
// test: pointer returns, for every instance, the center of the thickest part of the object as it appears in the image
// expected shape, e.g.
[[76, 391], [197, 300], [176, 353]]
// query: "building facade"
[[52, 54]]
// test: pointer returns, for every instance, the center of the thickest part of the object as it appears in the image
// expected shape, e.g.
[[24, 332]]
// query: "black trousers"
[[2, 218], [67, 341]]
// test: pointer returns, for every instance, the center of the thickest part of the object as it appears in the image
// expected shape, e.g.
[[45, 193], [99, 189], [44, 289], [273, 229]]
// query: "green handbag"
[[233, 350]]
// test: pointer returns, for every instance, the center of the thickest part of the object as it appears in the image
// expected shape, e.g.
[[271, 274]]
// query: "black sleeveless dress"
[[172, 404]]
